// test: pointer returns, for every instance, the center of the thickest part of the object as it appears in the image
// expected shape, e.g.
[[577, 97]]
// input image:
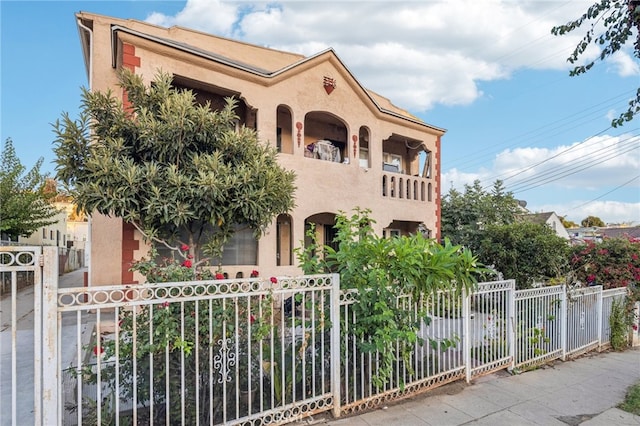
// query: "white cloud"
[[596, 162], [624, 65], [213, 16], [599, 166], [418, 54], [612, 212]]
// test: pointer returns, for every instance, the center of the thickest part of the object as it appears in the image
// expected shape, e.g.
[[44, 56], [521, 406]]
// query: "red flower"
[[187, 263], [273, 280], [254, 273], [165, 304], [252, 319], [591, 278], [635, 327], [219, 276], [634, 256], [95, 350], [184, 247]]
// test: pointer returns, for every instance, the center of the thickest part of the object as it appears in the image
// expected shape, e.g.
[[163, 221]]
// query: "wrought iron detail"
[[224, 361]]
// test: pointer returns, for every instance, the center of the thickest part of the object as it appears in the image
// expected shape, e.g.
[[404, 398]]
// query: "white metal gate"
[[26, 275]]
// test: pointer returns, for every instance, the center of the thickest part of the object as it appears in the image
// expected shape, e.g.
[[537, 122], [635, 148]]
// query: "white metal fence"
[[259, 350]]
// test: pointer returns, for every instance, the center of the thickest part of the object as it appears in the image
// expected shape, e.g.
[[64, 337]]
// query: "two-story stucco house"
[[348, 146]]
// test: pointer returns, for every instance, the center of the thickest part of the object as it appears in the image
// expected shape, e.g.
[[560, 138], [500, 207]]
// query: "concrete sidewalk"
[[584, 391]]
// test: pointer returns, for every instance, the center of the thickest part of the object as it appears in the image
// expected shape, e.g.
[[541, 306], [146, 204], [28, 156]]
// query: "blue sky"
[[489, 72]]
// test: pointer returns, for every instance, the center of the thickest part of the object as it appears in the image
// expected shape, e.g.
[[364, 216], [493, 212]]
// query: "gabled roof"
[[538, 218], [290, 62]]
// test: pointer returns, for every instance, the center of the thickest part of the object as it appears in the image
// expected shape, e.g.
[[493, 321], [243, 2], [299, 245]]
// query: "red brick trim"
[[129, 245], [438, 195], [129, 61], [129, 58]]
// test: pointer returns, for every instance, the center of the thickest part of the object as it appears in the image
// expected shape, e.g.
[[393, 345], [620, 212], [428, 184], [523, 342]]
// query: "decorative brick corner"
[[129, 58], [129, 61]]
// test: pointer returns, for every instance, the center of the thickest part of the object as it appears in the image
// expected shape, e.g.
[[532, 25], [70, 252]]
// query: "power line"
[[557, 127], [573, 171], [605, 194], [588, 158]]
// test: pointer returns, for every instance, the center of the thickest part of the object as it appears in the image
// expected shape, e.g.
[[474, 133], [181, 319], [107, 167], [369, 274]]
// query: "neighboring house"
[[596, 234], [69, 233], [348, 146], [54, 234], [550, 219], [620, 232]]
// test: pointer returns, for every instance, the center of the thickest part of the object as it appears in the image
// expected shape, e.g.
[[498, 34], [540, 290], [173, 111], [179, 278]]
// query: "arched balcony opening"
[[326, 137]]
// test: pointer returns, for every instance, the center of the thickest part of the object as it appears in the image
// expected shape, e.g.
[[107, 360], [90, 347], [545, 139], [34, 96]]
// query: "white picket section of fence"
[[253, 351], [490, 327], [584, 310], [539, 325], [608, 297]]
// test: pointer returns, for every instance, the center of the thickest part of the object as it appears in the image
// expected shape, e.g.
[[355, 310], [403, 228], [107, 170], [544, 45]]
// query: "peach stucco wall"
[[322, 186]]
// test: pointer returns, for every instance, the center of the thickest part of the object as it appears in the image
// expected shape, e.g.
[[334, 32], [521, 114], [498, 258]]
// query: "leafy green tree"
[[24, 199], [612, 26], [465, 215], [568, 223], [524, 251], [177, 170], [591, 221]]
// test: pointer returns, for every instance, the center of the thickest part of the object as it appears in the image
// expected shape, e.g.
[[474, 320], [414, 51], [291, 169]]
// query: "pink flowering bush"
[[612, 263]]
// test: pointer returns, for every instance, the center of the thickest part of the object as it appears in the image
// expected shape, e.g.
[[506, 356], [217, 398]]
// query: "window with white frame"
[[391, 162]]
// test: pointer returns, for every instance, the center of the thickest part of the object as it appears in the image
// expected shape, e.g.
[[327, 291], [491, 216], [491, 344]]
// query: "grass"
[[631, 401]]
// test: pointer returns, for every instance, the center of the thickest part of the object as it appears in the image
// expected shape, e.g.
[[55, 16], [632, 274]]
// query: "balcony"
[[413, 188]]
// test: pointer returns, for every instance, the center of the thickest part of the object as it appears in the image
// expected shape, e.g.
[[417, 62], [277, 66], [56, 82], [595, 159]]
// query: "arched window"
[[364, 152], [284, 133]]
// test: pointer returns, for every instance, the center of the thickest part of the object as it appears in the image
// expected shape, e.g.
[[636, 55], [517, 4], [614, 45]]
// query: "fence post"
[[336, 380], [635, 336], [563, 321], [600, 319], [466, 335], [37, 336], [49, 394], [511, 326]]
